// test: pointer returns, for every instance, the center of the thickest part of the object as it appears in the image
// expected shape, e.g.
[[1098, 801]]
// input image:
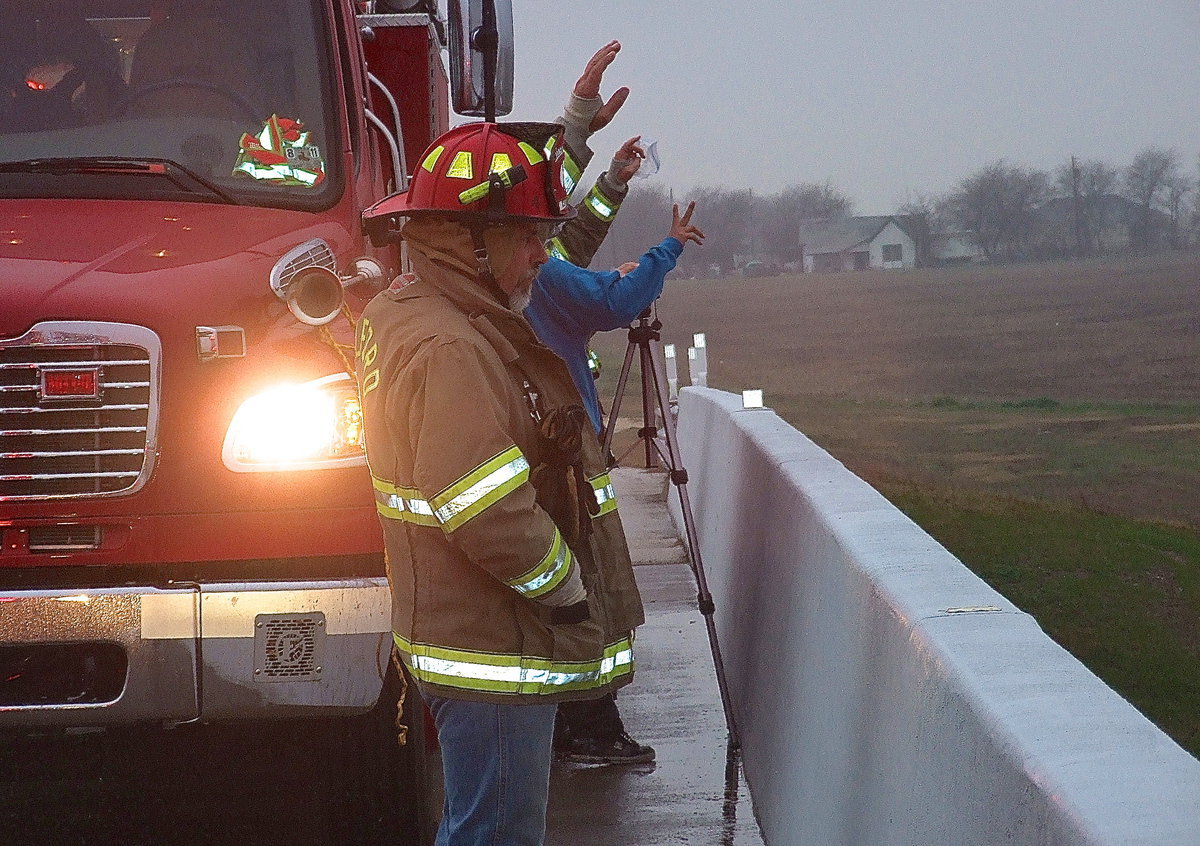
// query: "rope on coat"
[[565, 491], [401, 725]]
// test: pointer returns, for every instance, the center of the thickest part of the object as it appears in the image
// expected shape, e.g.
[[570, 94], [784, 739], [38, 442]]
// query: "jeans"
[[496, 764]]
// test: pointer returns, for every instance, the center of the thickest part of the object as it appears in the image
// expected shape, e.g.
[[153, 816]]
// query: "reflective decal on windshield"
[[283, 153]]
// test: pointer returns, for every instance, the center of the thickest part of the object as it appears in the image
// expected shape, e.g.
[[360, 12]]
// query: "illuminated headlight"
[[298, 427]]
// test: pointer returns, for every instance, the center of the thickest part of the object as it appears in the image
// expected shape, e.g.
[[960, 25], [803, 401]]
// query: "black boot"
[[591, 732], [611, 749]]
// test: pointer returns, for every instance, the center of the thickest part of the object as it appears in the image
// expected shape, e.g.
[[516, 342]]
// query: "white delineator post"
[[698, 361]]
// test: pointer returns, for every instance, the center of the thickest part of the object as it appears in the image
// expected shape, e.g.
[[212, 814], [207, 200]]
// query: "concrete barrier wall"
[[884, 694]]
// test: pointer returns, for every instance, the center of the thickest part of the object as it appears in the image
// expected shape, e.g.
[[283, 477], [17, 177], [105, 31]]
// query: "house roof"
[[842, 234]]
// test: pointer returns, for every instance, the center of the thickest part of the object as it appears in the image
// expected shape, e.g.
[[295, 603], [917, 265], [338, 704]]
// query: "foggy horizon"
[[882, 104]]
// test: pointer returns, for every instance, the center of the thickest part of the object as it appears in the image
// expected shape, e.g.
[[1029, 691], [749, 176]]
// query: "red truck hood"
[[144, 262]]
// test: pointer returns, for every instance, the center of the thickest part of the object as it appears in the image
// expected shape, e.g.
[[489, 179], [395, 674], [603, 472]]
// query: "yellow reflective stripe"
[[600, 205], [571, 173], [405, 504], [606, 494], [531, 155], [500, 162], [477, 193], [549, 573], [514, 674], [462, 167], [481, 488], [484, 188], [558, 249], [431, 159]]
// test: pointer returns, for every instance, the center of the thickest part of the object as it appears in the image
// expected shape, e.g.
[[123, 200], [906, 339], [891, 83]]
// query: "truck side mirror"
[[468, 41]]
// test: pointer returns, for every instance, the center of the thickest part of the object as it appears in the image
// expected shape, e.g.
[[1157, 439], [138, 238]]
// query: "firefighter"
[[565, 311], [511, 579], [569, 305]]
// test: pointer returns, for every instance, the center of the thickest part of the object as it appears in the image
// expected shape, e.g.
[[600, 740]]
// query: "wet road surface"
[[692, 794]]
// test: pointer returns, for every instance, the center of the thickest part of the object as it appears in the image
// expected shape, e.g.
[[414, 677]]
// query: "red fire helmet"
[[487, 173]]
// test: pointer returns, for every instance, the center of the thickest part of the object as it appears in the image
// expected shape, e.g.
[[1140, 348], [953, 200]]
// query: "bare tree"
[[726, 216], [997, 204], [737, 221], [779, 215], [1195, 215], [1095, 181], [1177, 189], [1146, 183]]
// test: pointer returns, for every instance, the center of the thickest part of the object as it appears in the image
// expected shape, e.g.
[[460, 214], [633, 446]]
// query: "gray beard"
[[520, 301]]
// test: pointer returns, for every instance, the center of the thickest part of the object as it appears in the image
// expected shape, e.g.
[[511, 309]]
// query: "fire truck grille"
[[65, 446]]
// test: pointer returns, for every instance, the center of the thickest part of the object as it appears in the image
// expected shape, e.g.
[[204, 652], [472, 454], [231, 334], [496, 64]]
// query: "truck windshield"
[[234, 94]]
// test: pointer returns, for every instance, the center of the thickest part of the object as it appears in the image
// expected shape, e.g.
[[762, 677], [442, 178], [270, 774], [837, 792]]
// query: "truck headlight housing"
[[310, 426]]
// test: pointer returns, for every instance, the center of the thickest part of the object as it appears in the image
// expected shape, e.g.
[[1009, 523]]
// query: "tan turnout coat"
[[472, 554]]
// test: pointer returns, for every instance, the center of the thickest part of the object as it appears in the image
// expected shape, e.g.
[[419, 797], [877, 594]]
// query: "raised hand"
[[588, 85], [627, 160], [681, 227]]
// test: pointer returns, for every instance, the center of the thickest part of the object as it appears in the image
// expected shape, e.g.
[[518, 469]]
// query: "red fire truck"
[[187, 527]]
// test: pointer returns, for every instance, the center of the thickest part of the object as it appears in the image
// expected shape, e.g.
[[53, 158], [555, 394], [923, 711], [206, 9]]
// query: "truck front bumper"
[[208, 652]]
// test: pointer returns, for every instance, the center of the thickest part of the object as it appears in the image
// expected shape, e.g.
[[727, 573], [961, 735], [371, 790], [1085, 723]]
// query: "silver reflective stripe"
[[600, 205], [461, 505], [518, 675], [549, 572], [570, 173], [514, 674], [605, 494], [398, 503], [420, 506], [403, 503], [562, 562]]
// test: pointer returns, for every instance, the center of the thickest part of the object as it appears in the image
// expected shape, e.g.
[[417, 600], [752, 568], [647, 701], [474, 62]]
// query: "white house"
[[857, 243]]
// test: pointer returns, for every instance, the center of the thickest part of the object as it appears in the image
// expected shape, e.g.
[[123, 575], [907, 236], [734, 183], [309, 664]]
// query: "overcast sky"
[[880, 99]]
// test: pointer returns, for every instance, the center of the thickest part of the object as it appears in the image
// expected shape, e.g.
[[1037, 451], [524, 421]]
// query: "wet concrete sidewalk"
[[691, 794]]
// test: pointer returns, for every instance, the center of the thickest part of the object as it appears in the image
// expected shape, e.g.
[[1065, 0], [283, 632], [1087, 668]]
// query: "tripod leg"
[[606, 439], [678, 476], [649, 424]]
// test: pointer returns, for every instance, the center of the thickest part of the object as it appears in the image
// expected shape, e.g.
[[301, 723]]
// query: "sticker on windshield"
[[283, 154]]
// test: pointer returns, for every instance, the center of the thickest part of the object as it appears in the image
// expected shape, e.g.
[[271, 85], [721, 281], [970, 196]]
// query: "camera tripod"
[[645, 338]]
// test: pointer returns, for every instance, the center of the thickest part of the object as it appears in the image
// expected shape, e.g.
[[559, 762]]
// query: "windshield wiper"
[[167, 168]]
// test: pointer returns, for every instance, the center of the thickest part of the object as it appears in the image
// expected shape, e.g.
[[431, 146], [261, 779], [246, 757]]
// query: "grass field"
[[1042, 421]]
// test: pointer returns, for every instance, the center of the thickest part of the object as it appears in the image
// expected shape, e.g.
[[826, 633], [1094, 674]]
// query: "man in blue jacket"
[[570, 304]]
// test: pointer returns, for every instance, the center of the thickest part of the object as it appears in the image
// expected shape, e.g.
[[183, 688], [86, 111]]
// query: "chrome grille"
[[55, 448]]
